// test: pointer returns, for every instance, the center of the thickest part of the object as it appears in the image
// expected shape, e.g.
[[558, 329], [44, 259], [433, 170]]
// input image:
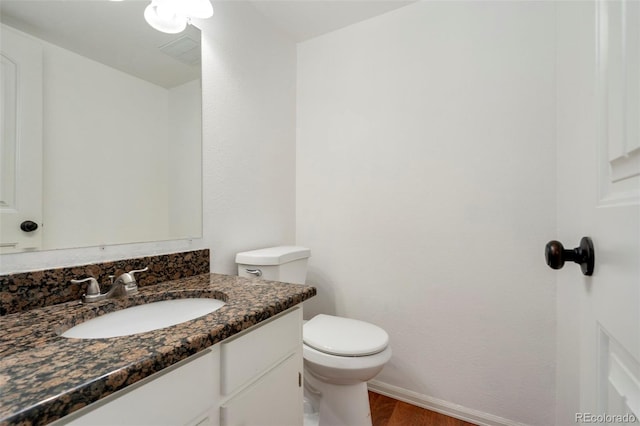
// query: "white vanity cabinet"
[[252, 378], [261, 375]]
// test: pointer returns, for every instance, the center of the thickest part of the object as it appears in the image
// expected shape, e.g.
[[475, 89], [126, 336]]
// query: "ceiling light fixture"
[[200, 9], [172, 16]]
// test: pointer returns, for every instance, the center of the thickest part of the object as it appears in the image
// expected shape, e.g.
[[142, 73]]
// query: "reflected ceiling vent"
[[185, 49]]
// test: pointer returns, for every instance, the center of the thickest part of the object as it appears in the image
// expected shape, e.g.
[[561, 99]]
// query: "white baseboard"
[[440, 406]]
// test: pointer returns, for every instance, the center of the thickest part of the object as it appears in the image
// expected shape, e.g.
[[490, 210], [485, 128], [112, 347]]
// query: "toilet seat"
[[344, 337]]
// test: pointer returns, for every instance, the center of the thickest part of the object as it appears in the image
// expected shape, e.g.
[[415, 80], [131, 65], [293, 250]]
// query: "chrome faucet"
[[122, 286]]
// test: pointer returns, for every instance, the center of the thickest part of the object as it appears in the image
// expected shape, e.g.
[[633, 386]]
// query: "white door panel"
[[20, 141], [598, 368], [618, 105]]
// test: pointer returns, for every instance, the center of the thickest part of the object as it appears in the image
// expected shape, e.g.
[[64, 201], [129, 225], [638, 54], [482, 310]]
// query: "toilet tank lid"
[[273, 255]]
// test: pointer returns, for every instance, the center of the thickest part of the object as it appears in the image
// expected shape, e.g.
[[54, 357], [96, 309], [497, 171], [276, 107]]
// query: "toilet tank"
[[283, 263]]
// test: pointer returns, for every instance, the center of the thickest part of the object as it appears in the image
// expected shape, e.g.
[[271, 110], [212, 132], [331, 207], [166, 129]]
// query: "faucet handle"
[[135, 271], [93, 288]]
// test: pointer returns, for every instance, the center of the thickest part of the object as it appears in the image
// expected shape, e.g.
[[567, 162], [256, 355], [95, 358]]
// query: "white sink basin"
[[142, 318]]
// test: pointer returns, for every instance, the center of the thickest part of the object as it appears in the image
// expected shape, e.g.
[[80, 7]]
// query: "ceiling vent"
[[185, 49]]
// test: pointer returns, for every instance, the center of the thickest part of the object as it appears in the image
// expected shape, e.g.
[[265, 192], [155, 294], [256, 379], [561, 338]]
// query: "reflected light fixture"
[[172, 16]]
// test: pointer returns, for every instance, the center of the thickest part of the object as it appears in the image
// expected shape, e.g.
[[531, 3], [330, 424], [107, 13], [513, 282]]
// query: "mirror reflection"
[[101, 127]]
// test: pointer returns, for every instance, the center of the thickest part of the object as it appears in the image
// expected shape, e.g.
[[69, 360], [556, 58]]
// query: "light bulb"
[[161, 16]]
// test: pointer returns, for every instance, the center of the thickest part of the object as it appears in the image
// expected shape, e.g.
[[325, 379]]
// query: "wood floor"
[[387, 411]]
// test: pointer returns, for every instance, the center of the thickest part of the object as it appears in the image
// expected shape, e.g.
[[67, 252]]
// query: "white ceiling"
[[115, 33], [305, 19]]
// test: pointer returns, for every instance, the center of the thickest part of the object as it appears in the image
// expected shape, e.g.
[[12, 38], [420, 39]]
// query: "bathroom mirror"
[[120, 122]]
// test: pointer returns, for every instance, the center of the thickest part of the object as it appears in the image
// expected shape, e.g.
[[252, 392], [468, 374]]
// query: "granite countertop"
[[44, 376]]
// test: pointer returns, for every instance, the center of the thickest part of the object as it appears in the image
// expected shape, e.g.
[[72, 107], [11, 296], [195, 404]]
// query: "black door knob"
[[584, 255], [28, 226]]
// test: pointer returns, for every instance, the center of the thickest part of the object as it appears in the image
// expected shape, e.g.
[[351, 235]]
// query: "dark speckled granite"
[[44, 377], [23, 291]]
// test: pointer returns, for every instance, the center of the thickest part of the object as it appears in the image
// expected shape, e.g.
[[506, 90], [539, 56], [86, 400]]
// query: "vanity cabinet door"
[[275, 399], [249, 354], [185, 395]]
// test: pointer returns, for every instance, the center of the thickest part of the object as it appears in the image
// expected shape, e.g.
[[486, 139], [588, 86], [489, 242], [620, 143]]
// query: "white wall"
[[425, 190], [249, 125], [248, 148]]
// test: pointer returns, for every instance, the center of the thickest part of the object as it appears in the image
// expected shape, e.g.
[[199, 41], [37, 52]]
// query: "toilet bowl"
[[340, 354]]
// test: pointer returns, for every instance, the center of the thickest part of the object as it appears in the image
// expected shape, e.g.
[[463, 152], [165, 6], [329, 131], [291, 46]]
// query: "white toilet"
[[340, 354]]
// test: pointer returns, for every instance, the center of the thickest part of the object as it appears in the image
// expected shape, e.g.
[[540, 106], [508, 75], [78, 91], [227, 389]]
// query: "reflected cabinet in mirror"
[[101, 127]]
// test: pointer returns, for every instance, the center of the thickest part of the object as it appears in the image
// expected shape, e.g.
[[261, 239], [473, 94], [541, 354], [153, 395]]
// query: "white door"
[[20, 142], [598, 130]]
